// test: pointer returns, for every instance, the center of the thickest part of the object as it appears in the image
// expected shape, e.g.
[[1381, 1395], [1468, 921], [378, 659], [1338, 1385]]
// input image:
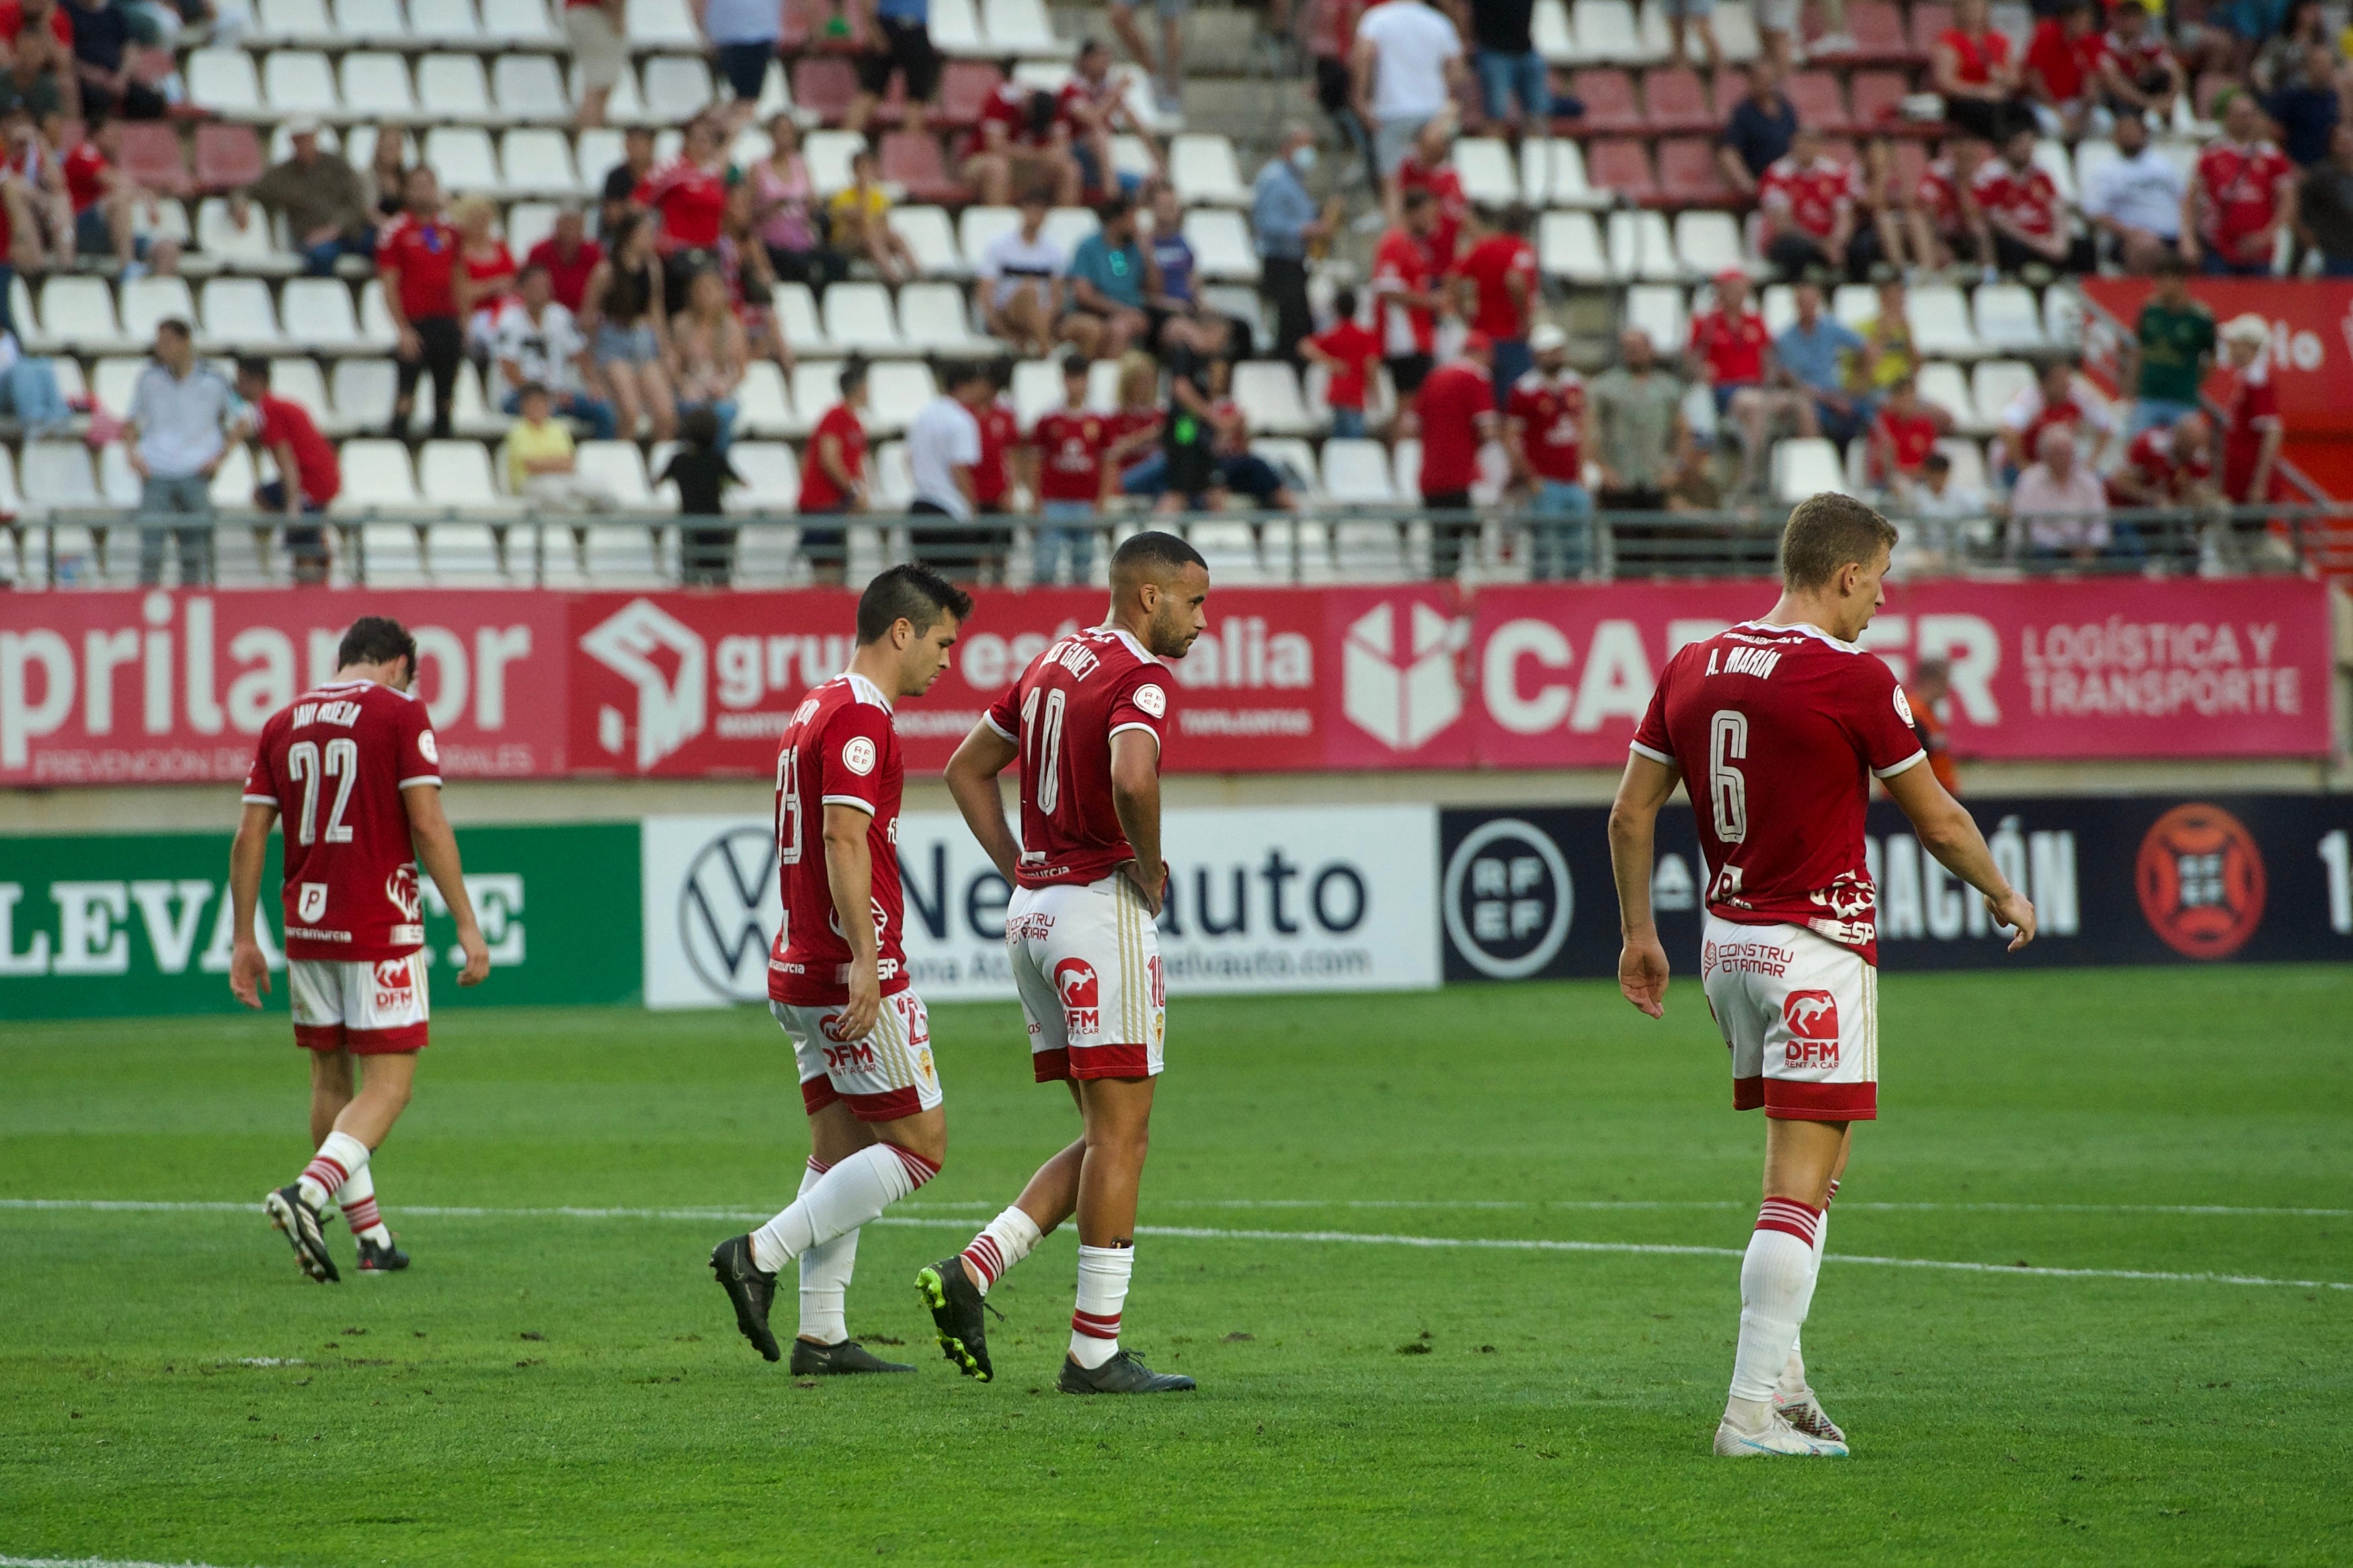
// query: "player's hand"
[[1642, 974], [248, 972], [2012, 909], [1153, 890], [477, 956], [856, 1020]]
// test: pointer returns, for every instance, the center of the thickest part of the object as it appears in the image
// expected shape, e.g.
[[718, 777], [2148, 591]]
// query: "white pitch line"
[[1850, 1205], [89, 1563], [1210, 1233]]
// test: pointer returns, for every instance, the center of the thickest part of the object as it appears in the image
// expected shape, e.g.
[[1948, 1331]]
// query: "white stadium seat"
[[445, 23], [677, 88], [535, 163], [1222, 245], [1804, 466], [372, 24], [457, 475], [525, 22], [1357, 473], [763, 407], [375, 87], [662, 25], [317, 315], [250, 248], [859, 320], [1022, 28], [147, 302], [2009, 320], [1267, 391], [239, 316], [223, 83], [936, 320], [1485, 167], [461, 155], [453, 86], [1568, 245], [896, 389], [931, 238], [378, 477], [1205, 171], [955, 27], [529, 87]]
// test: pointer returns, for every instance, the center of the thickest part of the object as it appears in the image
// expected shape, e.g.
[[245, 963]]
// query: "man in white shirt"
[[536, 341], [1024, 272], [2060, 504], [943, 450], [176, 433], [1408, 63], [2135, 202]]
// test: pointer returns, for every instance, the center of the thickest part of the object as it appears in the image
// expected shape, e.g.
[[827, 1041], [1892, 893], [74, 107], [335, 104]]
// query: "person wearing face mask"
[[1287, 222]]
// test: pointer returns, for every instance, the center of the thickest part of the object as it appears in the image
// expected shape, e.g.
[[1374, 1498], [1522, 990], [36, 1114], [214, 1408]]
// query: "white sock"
[[1102, 1292], [357, 1199], [855, 1191], [825, 1276], [1777, 1284], [339, 1159], [1792, 1384], [1002, 1243]]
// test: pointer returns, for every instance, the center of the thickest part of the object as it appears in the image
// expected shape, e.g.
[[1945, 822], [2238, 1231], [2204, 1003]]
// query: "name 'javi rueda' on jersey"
[[1778, 731], [1061, 715], [334, 765], [840, 749]]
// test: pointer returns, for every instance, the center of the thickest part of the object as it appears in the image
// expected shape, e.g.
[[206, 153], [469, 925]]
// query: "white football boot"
[[1803, 1410], [1777, 1439]]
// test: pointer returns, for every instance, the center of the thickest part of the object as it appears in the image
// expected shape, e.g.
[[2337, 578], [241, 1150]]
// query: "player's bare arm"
[[972, 781], [248, 972], [849, 872], [1649, 784], [437, 851], [1947, 831], [1135, 796]]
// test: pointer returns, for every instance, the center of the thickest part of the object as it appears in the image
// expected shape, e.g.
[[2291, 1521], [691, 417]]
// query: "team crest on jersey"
[[1153, 701], [1903, 708], [401, 888], [857, 756], [923, 1068], [313, 902], [1081, 997], [428, 748]]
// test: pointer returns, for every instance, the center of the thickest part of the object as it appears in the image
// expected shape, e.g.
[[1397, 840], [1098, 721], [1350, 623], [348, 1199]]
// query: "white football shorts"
[[1086, 959], [368, 1007], [1800, 1016], [887, 1075]]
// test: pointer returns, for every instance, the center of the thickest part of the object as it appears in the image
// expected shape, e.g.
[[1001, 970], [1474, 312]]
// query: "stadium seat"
[[455, 475], [1878, 100], [1485, 168], [391, 554], [859, 319], [912, 160], [677, 88], [1641, 249], [520, 22], [1267, 391], [664, 25], [471, 413], [1366, 551], [1804, 466], [1659, 311], [2008, 320], [1552, 174], [767, 553], [1021, 27], [530, 88], [965, 87], [1205, 171], [1969, 463], [240, 317], [1568, 246], [1222, 245], [375, 87], [1357, 473], [111, 379], [1708, 243], [1819, 99], [896, 389], [250, 249], [1941, 385], [1930, 20], [1621, 166], [828, 155], [930, 235], [625, 554], [370, 24], [361, 395], [443, 24], [619, 469], [763, 407], [297, 380], [797, 317], [1610, 109], [1994, 384], [823, 87], [1069, 227], [465, 554], [454, 86], [224, 82], [1549, 28], [376, 476], [299, 81], [816, 386], [1036, 389], [1735, 32], [1608, 33], [772, 480], [376, 322], [536, 162], [78, 312], [292, 24], [317, 315], [934, 320], [2063, 319], [56, 477], [463, 157], [1675, 99], [1940, 323], [150, 156], [1231, 549], [954, 26]]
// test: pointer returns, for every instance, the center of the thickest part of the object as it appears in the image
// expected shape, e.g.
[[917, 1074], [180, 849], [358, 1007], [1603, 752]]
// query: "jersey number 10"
[[1044, 739]]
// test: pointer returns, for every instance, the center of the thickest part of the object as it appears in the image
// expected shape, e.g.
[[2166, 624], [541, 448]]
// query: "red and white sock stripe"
[[1790, 1216], [361, 1215], [329, 1173], [1830, 1196], [1095, 1325], [919, 1169], [984, 1260]]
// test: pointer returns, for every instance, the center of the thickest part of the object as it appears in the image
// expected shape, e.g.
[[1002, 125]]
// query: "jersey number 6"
[[1727, 742]]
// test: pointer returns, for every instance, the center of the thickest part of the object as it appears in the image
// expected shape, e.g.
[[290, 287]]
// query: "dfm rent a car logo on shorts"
[[1507, 899], [1398, 683], [1812, 1019], [1081, 997], [666, 661], [723, 918]]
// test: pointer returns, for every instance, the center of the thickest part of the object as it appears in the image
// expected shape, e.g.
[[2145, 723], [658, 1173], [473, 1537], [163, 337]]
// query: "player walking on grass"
[[1776, 728], [838, 975], [1086, 721], [352, 768]]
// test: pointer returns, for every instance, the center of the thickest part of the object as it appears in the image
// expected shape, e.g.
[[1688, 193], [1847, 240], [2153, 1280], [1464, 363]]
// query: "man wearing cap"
[[2252, 430], [1731, 351], [1544, 434], [1456, 407], [322, 198]]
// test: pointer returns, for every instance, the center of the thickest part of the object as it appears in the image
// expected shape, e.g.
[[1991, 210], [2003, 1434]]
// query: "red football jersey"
[[281, 422], [2253, 409], [2162, 469], [1009, 107], [2067, 66], [333, 765], [424, 250], [1807, 196], [1399, 263], [2029, 200], [1552, 431], [1445, 187], [818, 492], [1358, 351], [1451, 403], [1974, 59], [691, 201], [1910, 440], [1000, 432], [1489, 265], [839, 750], [1778, 731], [1733, 352], [1940, 196], [85, 171], [2239, 189], [1062, 714], [1070, 453]]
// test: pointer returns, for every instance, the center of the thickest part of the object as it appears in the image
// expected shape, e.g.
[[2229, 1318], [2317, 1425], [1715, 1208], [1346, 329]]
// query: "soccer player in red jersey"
[[838, 975], [1776, 728], [353, 769], [1069, 444], [1086, 721]]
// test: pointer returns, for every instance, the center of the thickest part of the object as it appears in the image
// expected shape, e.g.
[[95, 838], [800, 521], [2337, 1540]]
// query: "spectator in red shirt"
[[310, 474], [1425, 168], [1408, 298], [1456, 409], [1730, 351], [1094, 106], [104, 200], [2253, 431], [2242, 198], [417, 264], [690, 194], [486, 268], [2063, 72], [2021, 215], [1546, 431], [833, 476], [1808, 201], [2169, 464], [2139, 74], [1001, 433], [1903, 436], [1349, 352], [1022, 133], [569, 256], [36, 57], [1940, 217], [1971, 68], [1067, 447], [1500, 289]]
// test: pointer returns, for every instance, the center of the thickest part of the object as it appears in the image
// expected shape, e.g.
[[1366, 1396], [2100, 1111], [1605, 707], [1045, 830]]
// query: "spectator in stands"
[[1501, 293], [487, 270], [1106, 276], [175, 433], [322, 198], [1408, 64], [2306, 106], [36, 58], [598, 31], [1429, 168], [1000, 440], [702, 472], [101, 47], [33, 195], [859, 219], [2021, 215], [1760, 131], [708, 353], [1971, 68], [1940, 506], [1021, 276], [1172, 295], [2062, 72], [833, 476], [1514, 82], [745, 36], [1205, 443], [28, 388], [1884, 206], [892, 37], [2135, 200], [1547, 430], [1021, 137], [541, 463], [310, 472], [417, 258], [1350, 353], [2171, 352], [943, 450], [1941, 223], [1285, 223], [1693, 486], [784, 202], [1809, 202], [2170, 465], [2053, 402], [1070, 481], [1137, 423], [569, 257], [2252, 431], [2242, 198], [1408, 298], [1094, 104], [538, 343], [2282, 50], [104, 201], [1638, 427], [2059, 506], [624, 320], [1903, 433], [1931, 683], [624, 179], [1456, 412], [1168, 75], [1888, 338], [1731, 351], [1813, 351], [1697, 19], [387, 176], [689, 194], [1332, 45], [2139, 74], [2324, 205]]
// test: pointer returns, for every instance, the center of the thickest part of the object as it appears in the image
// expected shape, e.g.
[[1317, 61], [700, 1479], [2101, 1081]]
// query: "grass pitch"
[[546, 1388]]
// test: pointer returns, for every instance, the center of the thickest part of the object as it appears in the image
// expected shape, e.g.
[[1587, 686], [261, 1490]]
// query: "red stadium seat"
[[1878, 30], [1678, 102], [1610, 106], [1820, 101], [151, 157], [800, 19], [1879, 100], [1731, 85], [227, 156], [911, 159], [1688, 174], [1931, 19], [1621, 166], [965, 87], [824, 86]]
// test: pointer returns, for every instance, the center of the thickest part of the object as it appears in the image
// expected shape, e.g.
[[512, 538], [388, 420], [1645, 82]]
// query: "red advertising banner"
[[163, 687], [2312, 335]]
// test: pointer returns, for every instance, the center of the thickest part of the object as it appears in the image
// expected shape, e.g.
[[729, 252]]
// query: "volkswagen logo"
[[726, 912], [1507, 899]]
